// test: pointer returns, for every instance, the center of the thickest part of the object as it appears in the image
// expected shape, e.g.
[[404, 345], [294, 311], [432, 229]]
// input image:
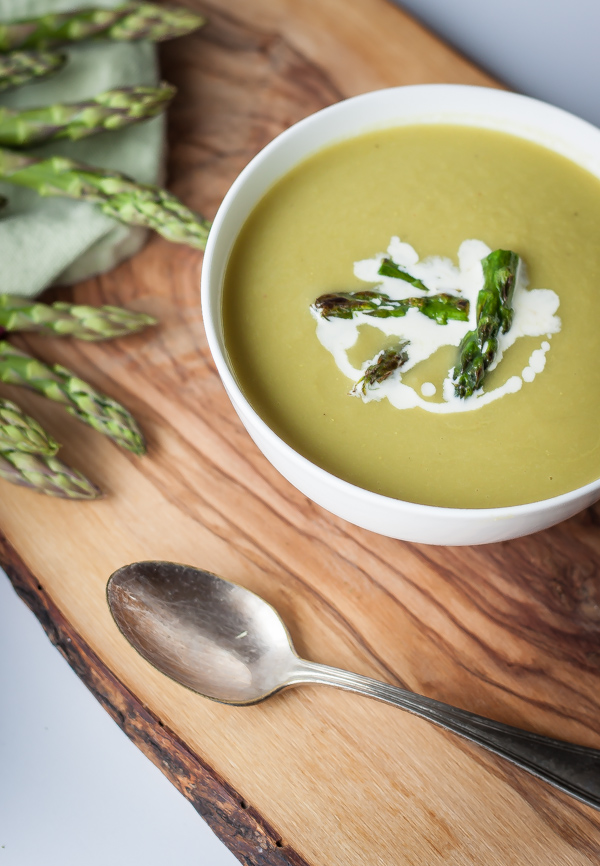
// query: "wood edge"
[[237, 824]]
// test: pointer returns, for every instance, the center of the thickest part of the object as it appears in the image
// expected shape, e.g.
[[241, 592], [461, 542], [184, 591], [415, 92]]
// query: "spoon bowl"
[[206, 633], [228, 644]]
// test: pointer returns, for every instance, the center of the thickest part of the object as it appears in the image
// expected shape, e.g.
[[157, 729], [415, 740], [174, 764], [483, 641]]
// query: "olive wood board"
[[314, 776]]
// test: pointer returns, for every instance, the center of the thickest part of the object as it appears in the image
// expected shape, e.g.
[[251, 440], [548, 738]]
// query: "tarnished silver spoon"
[[226, 643]]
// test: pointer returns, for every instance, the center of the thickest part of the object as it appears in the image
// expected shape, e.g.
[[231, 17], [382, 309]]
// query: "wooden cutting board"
[[314, 776]]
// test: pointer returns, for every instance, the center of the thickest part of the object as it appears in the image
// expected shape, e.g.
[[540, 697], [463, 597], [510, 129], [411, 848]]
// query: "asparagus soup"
[[414, 310]]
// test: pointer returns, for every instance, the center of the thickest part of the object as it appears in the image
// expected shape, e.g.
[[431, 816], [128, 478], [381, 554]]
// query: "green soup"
[[434, 186]]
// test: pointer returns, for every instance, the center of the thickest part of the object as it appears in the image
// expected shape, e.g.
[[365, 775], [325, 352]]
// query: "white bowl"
[[437, 103]]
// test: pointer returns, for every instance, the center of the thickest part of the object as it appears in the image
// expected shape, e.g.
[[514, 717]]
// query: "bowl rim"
[[339, 485]]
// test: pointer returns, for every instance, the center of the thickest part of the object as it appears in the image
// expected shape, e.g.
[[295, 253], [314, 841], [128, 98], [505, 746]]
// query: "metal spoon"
[[226, 643]]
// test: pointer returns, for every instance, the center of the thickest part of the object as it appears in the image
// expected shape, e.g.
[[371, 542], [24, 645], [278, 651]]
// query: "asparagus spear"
[[130, 21], [112, 109], [78, 398], [389, 268], [494, 314], [69, 320], [344, 305], [21, 432], [46, 474], [117, 195], [19, 67], [386, 363]]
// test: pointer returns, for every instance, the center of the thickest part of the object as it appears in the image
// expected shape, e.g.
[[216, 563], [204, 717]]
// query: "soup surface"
[[434, 186]]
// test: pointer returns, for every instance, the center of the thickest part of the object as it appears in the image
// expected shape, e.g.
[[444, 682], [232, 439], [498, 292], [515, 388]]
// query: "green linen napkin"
[[55, 240]]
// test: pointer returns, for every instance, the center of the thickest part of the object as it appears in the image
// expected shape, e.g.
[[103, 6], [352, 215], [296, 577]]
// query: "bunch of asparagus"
[[478, 347], [117, 195], [27, 452]]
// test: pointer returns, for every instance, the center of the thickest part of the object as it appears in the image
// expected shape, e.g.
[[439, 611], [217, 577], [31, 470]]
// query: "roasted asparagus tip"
[[344, 305], [386, 363], [494, 315]]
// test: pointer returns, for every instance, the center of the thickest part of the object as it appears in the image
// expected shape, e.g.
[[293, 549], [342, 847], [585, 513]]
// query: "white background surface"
[[73, 790], [544, 48]]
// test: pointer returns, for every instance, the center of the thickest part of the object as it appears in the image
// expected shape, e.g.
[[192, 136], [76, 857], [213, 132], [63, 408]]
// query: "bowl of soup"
[[350, 270]]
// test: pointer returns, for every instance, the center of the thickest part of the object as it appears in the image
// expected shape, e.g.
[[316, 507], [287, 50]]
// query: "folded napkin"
[[56, 240]]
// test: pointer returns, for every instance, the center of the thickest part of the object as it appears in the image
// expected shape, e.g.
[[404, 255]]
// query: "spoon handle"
[[573, 769]]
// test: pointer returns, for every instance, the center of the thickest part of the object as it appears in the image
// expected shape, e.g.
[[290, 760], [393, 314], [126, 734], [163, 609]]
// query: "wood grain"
[[508, 630]]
